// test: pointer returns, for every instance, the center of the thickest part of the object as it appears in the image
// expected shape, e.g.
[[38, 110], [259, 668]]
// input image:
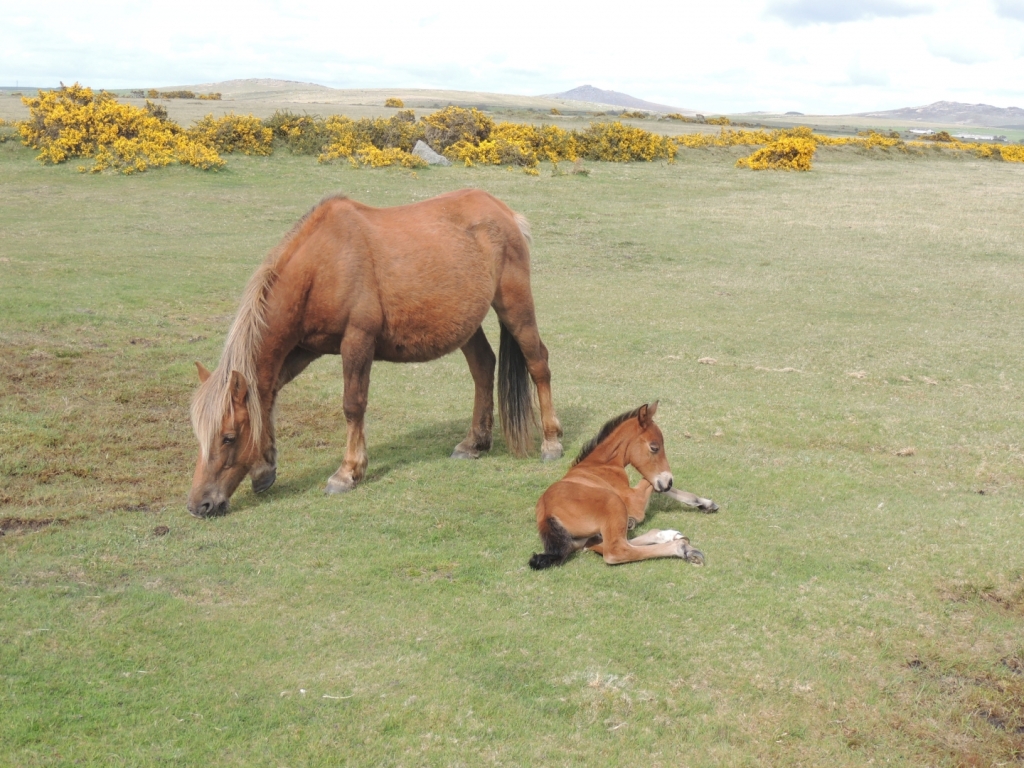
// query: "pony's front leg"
[[692, 500], [356, 358], [264, 473], [637, 499], [480, 358]]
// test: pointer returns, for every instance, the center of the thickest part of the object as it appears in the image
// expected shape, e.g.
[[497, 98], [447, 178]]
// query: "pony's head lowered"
[[230, 438], [227, 415]]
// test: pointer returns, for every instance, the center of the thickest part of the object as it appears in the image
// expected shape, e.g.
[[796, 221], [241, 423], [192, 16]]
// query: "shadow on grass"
[[425, 443]]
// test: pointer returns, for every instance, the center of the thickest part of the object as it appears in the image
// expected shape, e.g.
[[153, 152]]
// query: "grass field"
[[858, 416]]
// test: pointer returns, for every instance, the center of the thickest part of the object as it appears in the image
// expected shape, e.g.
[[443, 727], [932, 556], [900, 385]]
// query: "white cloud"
[[1010, 9], [959, 52], [804, 12], [814, 57]]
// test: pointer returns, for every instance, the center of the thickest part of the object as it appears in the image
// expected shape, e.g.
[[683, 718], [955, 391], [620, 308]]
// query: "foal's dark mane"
[[606, 430]]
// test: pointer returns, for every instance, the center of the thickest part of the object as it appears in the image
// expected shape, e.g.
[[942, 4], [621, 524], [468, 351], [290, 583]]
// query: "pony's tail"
[[558, 545], [515, 398]]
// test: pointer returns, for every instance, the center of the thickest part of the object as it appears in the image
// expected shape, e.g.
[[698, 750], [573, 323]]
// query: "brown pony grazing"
[[593, 507], [405, 284]]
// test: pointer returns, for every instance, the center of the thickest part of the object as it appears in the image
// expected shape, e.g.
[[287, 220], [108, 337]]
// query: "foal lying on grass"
[[593, 507]]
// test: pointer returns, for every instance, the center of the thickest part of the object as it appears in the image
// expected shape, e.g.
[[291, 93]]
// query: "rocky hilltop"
[[589, 93], [956, 113]]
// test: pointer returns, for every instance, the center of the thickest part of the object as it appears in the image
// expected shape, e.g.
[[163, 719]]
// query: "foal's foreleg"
[[692, 500], [480, 358], [637, 499], [356, 358], [264, 473]]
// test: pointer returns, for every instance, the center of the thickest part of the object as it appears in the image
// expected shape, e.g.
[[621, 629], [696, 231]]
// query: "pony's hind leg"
[[520, 322], [481, 360], [356, 359]]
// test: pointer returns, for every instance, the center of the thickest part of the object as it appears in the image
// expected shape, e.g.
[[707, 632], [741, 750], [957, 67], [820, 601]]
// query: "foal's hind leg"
[[481, 361], [521, 321], [356, 359], [615, 548]]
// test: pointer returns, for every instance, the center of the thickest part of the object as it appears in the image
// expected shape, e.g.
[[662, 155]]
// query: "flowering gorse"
[[73, 122]]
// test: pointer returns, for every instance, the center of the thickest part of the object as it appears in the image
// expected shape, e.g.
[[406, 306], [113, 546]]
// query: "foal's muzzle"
[[663, 482]]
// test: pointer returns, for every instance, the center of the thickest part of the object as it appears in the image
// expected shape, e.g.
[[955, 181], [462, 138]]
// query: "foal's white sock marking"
[[668, 535]]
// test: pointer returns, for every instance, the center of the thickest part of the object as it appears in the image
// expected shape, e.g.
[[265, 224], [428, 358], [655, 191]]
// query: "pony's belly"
[[414, 344], [427, 331]]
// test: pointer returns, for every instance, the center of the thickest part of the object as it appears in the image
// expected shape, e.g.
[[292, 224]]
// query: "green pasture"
[[857, 415]]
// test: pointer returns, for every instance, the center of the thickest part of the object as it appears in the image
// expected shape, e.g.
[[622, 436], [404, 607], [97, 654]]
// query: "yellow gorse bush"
[[454, 124], [1013, 154], [75, 122], [787, 153], [372, 157], [72, 121], [346, 137], [394, 102], [234, 133], [618, 143]]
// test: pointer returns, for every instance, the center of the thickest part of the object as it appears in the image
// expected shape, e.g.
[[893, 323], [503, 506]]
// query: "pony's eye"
[[228, 439], [655, 447]]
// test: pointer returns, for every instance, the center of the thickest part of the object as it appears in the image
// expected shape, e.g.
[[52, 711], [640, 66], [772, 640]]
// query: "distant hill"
[[594, 95], [956, 113]]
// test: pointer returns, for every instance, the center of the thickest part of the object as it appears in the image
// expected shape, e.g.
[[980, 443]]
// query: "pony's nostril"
[[669, 486]]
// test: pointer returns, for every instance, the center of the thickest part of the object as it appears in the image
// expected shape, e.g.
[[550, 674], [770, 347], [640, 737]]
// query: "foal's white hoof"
[[668, 535]]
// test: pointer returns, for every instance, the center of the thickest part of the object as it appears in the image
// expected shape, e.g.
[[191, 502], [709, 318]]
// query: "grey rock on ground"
[[422, 149]]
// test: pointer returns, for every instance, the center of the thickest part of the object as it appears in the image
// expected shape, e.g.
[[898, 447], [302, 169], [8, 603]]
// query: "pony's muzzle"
[[663, 482], [207, 507]]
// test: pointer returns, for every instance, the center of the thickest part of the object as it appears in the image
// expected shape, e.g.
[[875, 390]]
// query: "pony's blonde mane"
[[213, 398]]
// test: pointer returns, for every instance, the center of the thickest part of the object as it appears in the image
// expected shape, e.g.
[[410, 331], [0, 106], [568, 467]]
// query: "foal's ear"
[[203, 373], [646, 414], [237, 386]]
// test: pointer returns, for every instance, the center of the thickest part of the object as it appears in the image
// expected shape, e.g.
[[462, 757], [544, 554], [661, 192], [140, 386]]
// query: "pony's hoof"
[[630, 523], [710, 507], [264, 481], [550, 450], [691, 555], [335, 485], [462, 453]]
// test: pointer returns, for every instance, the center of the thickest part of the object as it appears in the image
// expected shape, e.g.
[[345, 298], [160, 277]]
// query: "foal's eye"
[[655, 447], [228, 439]]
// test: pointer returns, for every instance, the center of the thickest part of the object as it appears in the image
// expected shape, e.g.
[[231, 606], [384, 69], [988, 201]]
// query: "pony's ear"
[[237, 387], [646, 414], [203, 373]]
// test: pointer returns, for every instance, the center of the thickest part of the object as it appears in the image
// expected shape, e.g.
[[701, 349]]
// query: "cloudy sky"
[[813, 56]]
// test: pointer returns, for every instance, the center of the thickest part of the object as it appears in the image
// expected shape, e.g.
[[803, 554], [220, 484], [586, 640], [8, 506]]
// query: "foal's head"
[[228, 448], [646, 449]]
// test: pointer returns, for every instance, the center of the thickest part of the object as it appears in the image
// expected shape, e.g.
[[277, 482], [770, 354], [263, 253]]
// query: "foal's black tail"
[[515, 398], [558, 545]]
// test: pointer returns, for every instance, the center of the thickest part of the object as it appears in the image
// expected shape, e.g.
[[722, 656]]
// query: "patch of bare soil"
[[24, 525], [1007, 594], [984, 703]]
